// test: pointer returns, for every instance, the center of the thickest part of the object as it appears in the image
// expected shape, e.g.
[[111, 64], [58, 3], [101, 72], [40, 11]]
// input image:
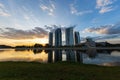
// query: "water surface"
[[42, 56]]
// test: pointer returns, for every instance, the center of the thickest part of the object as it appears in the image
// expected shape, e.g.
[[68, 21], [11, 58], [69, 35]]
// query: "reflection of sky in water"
[[115, 53], [103, 58], [12, 55]]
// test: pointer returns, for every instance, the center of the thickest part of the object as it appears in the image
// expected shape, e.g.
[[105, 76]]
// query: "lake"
[[42, 56]]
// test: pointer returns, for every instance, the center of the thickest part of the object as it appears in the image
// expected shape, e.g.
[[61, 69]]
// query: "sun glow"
[[10, 55], [41, 41], [29, 42]]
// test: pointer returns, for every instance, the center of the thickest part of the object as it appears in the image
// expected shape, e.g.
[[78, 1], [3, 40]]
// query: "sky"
[[29, 21]]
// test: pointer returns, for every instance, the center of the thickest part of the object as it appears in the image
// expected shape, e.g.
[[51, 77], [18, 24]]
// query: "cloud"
[[12, 33], [106, 29], [37, 32], [112, 36], [26, 13], [106, 9], [52, 28], [48, 7], [1, 5], [104, 5], [26, 17], [95, 20], [74, 10], [3, 10]]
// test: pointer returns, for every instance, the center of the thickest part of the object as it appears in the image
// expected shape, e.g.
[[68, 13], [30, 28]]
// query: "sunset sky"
[[29, 21]]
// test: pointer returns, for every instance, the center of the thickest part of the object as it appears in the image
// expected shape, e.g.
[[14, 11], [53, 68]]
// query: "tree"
[[38, 45]]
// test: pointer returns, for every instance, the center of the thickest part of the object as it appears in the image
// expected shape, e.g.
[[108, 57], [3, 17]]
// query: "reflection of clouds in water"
[[115, 53], [101, 59], [11, 55], [28, 56], [2, 50]]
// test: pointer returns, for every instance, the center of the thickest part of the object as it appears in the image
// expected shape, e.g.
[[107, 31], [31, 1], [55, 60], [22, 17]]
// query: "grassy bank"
[[56, 71]]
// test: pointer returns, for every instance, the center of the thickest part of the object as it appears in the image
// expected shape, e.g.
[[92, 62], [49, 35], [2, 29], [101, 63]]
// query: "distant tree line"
[[98, 44], [5, 46]]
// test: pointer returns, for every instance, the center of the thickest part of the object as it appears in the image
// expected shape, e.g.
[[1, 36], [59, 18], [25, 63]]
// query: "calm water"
[[42, 56]]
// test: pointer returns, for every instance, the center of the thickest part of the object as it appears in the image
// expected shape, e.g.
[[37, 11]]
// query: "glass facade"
[[50, 38], [70, 54], [50, 53], [69, 36], [58, 42], [79, 57], [77, 38]]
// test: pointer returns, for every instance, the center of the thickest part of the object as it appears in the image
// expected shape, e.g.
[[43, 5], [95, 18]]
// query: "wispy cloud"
[[52, 28], [75, 11], [95, 20], [105, 5], [26, 17], [113, 36], [13, 33], [26, 13], [48, 7], [106, 29], [37, 32], [3, 10]]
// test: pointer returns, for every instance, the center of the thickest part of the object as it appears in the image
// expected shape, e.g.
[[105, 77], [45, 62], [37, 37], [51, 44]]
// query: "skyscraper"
[[79, 57], [50, 53], [58, 37], [70, 54], [50, 38], [77, 38], [69, 36], [58, 42]]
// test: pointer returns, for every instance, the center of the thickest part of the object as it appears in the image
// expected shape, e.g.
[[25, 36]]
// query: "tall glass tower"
[[58, 37], [50, 38], [70, 54], [77, 38], [50, 53], [79, 57], [69, 36], [58, 42]]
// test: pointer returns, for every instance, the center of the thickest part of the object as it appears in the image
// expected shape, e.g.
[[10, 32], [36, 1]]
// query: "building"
[[69, 35], [90, 43], [58, 42], [71, 38], [77, 38], [50, 53], [50, 38], [92, 52], [58, 37], [79, 57]]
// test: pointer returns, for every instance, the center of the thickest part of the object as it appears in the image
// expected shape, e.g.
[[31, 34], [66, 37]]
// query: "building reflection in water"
[[72, 38], [58, 42], [69, 38], [79, 57], [44, 57], [50, 52]]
